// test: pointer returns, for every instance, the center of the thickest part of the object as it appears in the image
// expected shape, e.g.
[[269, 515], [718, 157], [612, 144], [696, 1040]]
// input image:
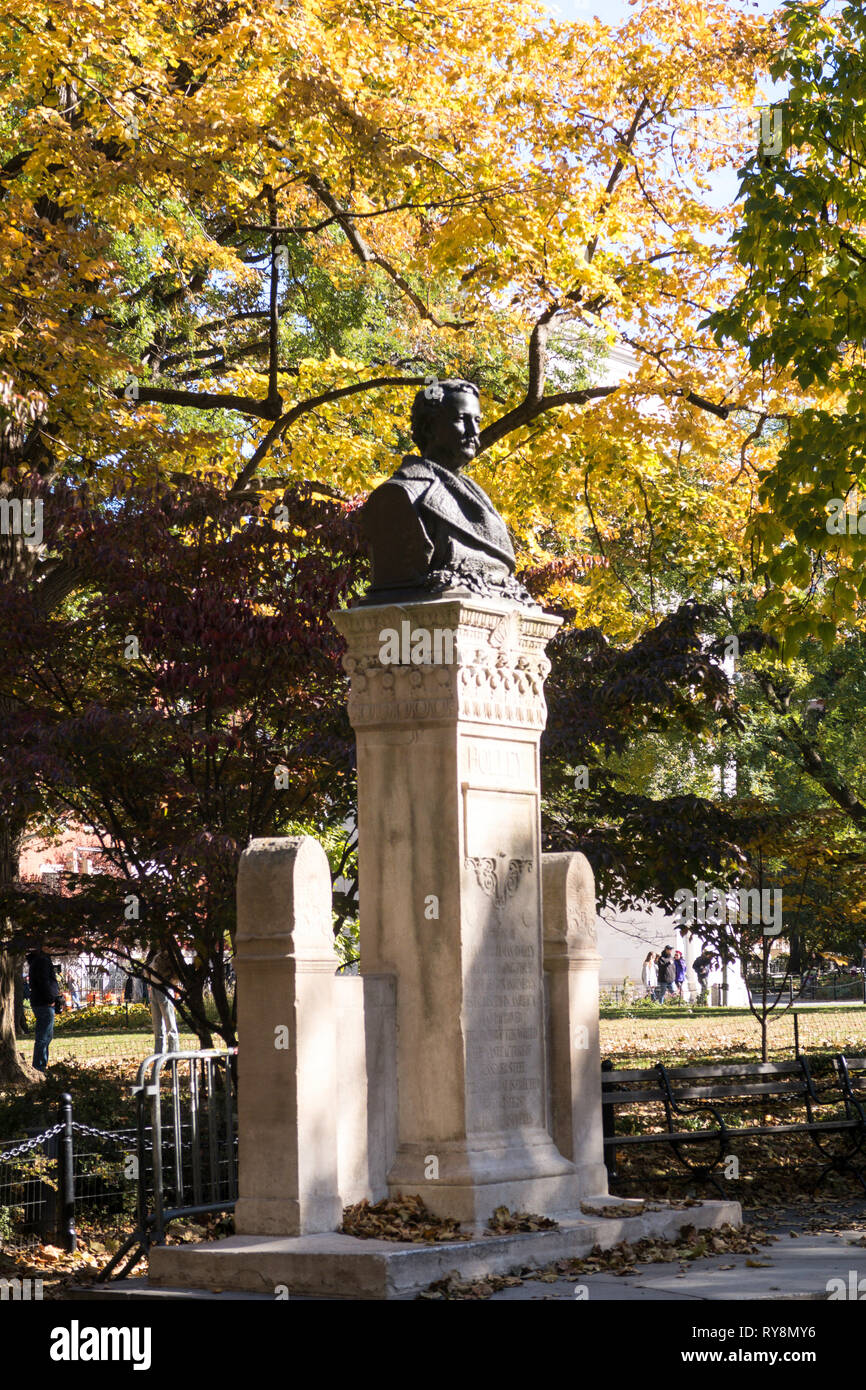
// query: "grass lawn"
[[120, 1047], [635, 1037], [102, 1033], [710, 1035]]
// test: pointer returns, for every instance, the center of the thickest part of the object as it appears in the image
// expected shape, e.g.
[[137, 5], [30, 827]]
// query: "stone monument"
[[449, 826], [450, 890], [463, 1065]]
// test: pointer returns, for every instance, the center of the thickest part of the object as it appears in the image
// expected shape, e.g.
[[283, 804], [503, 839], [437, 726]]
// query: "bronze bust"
[[430, 530]]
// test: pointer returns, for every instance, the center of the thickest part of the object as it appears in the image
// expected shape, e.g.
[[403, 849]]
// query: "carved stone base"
[[521, 1170], [450, 892]]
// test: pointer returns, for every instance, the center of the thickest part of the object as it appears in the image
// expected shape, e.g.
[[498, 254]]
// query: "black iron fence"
[[825, 989], [46, 1179], [180, 1160]]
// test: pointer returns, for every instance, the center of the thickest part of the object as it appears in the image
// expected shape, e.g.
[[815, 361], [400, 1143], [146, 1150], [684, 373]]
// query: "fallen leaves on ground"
[[614, 1209], [619, 1259], [53, 1266], [401, 1218], [59, 1269], [504, 1222]]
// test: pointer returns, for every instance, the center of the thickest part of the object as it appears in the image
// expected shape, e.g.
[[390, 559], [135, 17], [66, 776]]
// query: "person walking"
[[163, 976], [703, 966], [679, 972], [649, 975], [45, 999], [667, 974], [72, 986]]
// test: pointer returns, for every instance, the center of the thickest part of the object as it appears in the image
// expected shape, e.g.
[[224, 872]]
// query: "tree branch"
[[368, 256], [528, 411], [205, 400], [312, 403], [628, 142], [538, 355]]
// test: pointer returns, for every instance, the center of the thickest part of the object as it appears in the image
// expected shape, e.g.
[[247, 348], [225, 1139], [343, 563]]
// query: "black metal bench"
[[689, 1092]]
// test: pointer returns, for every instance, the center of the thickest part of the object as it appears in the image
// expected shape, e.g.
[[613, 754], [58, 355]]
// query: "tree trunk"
[[14, 1071], [224, 1008], [23, 452], [794, 960], [193, 992], [21, 1027]]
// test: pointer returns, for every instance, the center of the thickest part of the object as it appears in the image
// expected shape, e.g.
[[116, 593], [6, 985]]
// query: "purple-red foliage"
[[194, 658]]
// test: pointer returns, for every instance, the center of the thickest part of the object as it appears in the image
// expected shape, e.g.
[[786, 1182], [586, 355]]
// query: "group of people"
[[665, 973]]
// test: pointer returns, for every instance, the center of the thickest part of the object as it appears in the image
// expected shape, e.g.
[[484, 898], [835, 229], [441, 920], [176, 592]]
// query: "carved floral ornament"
[[582, 930], [497, 675], [485, 694], [500, 678], [498, 875]]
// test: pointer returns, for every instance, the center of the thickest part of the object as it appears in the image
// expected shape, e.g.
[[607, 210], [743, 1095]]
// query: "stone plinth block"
[[447, 703], [287, 1051], [366, 1086], [571, 961], [339, 1266]]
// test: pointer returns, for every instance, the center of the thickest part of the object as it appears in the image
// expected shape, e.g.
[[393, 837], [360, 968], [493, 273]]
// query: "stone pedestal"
[[571, 962], [449, 1014], [287, 1060], [448, 707]]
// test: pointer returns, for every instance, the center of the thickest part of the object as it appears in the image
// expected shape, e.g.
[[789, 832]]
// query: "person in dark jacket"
[[704, 965], [45, 998], [667, 973]]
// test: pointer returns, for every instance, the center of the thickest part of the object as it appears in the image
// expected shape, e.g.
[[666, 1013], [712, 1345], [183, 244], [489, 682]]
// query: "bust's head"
[[446, 417]]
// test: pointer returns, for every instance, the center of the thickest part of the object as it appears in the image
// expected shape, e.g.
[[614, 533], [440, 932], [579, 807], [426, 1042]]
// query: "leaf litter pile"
[[61, 1272], [407, 1219], [620, 1259], [505, 1223], [403, 1218]]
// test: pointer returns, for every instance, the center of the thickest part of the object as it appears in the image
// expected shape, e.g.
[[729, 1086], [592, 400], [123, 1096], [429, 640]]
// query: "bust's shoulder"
[[415, 470]]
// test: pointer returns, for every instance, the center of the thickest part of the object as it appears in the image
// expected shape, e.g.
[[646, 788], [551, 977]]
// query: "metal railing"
[[826, 989], [186, 1150]]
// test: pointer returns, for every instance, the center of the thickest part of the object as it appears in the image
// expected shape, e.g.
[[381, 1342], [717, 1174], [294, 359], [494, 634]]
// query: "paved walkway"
[[814, 1246]]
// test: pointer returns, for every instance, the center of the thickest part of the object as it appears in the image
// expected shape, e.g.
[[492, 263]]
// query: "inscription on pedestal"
[[491, 762], [503, 1037], [503, 1001], [455, 813]]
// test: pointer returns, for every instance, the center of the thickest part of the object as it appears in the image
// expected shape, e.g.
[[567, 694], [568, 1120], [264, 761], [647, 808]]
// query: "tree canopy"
[[236, 239]]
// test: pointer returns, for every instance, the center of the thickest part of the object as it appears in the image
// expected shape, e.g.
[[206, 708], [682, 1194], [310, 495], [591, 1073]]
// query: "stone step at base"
[[331, 1265]]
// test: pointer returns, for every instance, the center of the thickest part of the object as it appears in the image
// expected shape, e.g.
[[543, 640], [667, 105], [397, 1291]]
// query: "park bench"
[[833, 1104]]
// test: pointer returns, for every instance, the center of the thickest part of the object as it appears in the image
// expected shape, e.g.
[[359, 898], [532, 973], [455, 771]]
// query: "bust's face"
[[454, 429]]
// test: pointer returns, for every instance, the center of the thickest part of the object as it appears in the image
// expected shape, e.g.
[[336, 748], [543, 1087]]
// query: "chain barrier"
[[29, 1144], [115, 1134]]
